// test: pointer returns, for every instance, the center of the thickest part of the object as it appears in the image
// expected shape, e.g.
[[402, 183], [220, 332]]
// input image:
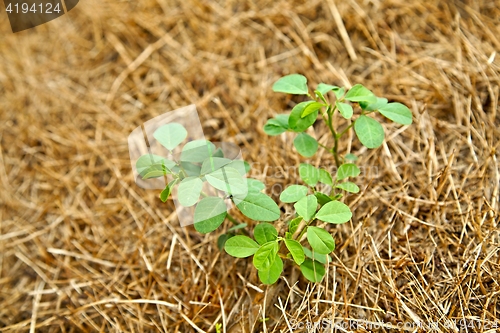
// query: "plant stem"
[[335, 151], [346, 129], [321, 145], [230, 218], [335, 137], [303, 230], [323, 99], [328, 112]]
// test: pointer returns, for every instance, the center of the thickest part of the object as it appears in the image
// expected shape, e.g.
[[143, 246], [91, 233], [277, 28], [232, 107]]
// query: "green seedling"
[[202, 164], [304, 243]]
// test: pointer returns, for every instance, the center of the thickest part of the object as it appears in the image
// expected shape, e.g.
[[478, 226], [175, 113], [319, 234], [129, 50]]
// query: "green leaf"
[[374, 106], [265, 232], [351, 157], [337, 196], [255, 185], [221, 241], [294, 224], [293, 193], [189, 191], [153, 163], [334, 212], [258, 207], [209, 214], [305, 144], [237, 227], [229, 180], [397, 112], [322, 258], [358, 93], [170, 135], [165, 194], [154, 173], [319, 95], [325, 177], [310, 108], [241, 246], [218, 153], [167, 190], [369, 132], [347, 170], [283, 119], [296, 250], [191, 169], [147, 160], [272, 128], [265, 256], [170, 167], [298, 124], [339, 93], [322, 198], [278, 125], [271, 275], [246, 166], [323, 88], [213, 163], [309, 174], [349, 187], [345, 109], [306, 207], [312, 270], [239, 165], [291, 84], [320, 240], [197, 151]]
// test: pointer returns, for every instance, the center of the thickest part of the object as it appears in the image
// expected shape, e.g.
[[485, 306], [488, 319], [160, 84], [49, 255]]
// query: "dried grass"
[[84, 249]]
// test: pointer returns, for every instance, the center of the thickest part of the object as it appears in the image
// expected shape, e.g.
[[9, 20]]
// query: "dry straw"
[[82, 248]]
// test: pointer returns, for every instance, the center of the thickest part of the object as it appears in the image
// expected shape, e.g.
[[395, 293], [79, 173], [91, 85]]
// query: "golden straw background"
[[84, 249]]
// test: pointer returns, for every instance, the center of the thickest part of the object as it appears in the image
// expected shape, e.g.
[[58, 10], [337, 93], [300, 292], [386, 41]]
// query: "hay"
[[84, 249]]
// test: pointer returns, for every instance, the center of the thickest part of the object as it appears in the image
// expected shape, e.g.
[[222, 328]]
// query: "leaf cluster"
[[303, 115], [202, 165], [305, 242]]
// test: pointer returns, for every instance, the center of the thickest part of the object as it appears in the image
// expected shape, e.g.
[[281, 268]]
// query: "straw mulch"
[[84, 249]]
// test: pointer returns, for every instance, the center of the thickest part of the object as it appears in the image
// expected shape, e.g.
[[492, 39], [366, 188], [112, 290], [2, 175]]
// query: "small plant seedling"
[[202, 165], [304, 243]]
